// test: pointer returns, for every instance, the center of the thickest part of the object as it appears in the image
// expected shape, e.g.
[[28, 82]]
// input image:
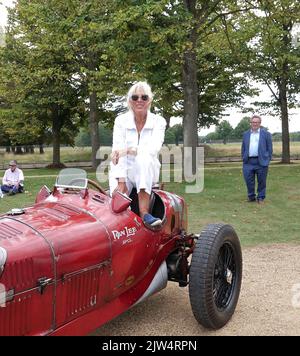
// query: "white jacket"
[[125, 135]]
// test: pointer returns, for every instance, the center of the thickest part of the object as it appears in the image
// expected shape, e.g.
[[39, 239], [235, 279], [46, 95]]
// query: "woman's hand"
[[132, 151], [122, 187], [115, 157]]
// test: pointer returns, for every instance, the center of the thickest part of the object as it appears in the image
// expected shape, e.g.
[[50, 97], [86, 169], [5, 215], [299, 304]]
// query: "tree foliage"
[[241, 127], [84, 138], [174, 134], [38, 76], [269, 55], [66, 62], [224, 131]]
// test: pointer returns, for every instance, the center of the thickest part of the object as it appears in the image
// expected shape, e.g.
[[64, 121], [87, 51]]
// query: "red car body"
[[73, 263], [78, 258]]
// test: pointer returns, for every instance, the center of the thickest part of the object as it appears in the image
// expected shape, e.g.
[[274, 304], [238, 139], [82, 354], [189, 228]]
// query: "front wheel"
[[215, 275]]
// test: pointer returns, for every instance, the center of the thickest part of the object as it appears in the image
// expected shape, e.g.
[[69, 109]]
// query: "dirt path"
[[265, 306]]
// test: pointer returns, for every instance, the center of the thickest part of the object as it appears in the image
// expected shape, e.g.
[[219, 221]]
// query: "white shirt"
[[125, 135], [253, 146], [12, 177]]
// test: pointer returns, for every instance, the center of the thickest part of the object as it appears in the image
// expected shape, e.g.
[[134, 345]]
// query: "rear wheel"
[[215, 275]]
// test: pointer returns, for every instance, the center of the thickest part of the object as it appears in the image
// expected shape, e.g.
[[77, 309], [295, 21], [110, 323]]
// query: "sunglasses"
[[136, 97]]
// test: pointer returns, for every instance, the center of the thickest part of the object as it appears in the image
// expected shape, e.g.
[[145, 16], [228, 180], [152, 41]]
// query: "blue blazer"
[[265, 147]]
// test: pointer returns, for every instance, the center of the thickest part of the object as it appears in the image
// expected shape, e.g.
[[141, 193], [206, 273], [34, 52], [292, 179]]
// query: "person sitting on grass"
[[13, 179]]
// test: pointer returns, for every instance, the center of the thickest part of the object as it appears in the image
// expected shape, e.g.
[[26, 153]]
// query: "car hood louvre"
[[8, 232]]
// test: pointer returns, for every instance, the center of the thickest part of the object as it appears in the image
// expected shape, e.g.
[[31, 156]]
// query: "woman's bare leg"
[[144, 201]]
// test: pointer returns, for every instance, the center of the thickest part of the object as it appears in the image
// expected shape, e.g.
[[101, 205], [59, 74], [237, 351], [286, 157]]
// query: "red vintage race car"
[[78, 258]]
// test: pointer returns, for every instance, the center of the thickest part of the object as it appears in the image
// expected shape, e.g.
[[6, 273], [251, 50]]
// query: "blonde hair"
[[139, 86]]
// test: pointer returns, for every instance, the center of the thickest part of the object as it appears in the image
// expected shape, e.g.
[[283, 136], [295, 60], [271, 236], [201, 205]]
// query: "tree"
[[18, 126], [204, 17], [224, 131], [212, 136], [147, 45], [39, 73], [169, 137], [170, 43], [89, 32], [84, 138], [279, 63], [271, 57], [241, 127], [178, 133], [179, 47]]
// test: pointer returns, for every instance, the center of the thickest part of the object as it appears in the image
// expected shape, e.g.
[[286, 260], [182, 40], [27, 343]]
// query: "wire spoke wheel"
[[224, 277], [215, 275]]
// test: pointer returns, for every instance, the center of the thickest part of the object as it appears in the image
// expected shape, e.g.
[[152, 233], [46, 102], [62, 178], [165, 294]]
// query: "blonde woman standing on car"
[[138, 136]]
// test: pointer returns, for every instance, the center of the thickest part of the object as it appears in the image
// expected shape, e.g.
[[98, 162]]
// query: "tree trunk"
[[285, 125], [94, 128], [29, 149], [42, 149], [56, 125], [191, 105], [284, 101], [284, 112], [190, 89], [167, 117], [18, 150]]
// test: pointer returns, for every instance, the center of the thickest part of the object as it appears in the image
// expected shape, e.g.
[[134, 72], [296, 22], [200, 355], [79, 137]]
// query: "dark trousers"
[[253, 169], [14, 189]]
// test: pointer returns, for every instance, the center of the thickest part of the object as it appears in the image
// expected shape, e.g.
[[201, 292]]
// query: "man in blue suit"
[[257, 152]]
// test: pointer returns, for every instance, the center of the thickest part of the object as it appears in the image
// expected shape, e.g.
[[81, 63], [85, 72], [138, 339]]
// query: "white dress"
[[140, 171]]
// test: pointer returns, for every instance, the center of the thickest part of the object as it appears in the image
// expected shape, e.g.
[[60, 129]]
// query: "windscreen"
[[72, 178]]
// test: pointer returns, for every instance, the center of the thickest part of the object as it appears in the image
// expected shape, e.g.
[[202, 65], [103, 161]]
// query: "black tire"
[[215, 275]]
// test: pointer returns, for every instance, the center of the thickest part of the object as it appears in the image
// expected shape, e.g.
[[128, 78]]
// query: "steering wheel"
[[97, 186], [90, 182]]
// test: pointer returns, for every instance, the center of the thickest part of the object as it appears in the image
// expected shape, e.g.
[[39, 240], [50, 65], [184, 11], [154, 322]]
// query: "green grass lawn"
[[222, 200], [68, 154], [234, 149], [83, 154]]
